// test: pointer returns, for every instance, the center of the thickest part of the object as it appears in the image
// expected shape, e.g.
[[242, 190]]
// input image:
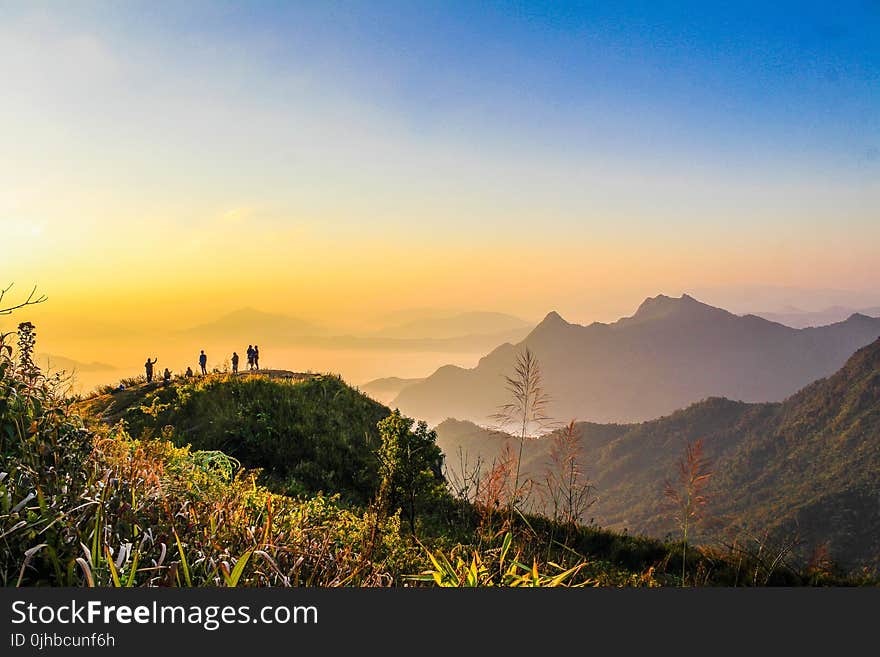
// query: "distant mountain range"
[[386, 389], [463, 332], [51, 363], [808, 467], [670, 353], [461, 324], [249, 324], [803, 318]]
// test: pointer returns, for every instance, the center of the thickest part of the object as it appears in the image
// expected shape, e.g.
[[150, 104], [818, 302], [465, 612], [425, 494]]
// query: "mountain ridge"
[[455, 326], [671, 352], [807, 466]]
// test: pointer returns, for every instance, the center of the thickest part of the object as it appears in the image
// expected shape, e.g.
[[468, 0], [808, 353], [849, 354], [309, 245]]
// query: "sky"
[[164, 163]]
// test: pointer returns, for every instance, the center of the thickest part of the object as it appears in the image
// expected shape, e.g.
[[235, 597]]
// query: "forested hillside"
[[804, 470]]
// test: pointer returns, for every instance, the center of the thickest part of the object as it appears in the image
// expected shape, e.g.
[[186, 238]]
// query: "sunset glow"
[[165, 164]]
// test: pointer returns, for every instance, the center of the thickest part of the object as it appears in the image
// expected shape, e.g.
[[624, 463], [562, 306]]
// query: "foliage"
[[307, 436], [43, 480], [493, 568], [410, 466]]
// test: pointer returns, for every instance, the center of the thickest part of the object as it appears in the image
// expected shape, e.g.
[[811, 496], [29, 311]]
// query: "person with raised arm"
[[148, 366]]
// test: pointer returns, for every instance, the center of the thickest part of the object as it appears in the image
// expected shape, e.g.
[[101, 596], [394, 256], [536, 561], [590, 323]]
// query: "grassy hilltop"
[[307, 433]]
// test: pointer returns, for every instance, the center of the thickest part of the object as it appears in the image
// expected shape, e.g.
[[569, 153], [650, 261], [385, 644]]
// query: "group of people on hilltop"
[[253, 361]]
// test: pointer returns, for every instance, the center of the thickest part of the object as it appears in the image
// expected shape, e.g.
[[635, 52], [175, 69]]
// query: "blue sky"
[[659, 145], [741, 82], [743, 79]]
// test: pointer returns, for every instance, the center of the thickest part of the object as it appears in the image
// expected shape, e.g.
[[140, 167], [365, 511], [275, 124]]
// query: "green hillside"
[[307, 433], [805, 471]]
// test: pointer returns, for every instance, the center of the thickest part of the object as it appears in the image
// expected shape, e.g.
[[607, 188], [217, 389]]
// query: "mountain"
[[52, 363], [802, 318], [269, 329], [806, 467], [670, 353], [464, 343], [252, 325], [744, 299], [462, 324], [386, 389]]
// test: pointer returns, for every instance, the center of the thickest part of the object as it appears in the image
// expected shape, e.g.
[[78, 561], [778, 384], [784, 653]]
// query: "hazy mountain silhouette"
[[248, 323], [745, 299], [797, 318], [385, 389], [52, 363], [809, 466], [280, 330], [461, 324], [670, 353]]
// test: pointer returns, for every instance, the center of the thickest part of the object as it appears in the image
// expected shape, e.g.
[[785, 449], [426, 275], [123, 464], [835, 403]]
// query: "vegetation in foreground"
[[149, 499]]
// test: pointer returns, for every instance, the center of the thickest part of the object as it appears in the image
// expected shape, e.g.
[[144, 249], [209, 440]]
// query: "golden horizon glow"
[[158, 175]]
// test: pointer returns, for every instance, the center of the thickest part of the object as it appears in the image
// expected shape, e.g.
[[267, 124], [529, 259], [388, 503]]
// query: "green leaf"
[[233, 578], [183, 563]]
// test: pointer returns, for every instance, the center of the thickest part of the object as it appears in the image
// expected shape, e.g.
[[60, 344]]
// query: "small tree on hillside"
[[410, 466]]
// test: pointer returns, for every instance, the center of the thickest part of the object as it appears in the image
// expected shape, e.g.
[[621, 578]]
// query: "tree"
[[525, 412], [31, 300], [410, 466], [29, 334]]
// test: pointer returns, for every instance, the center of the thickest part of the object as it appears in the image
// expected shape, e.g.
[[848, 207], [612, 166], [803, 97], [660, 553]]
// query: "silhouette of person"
[[250, 356], [166, 377], [234, 363], [203, 362], [189, 372], [256, 357], [148, 366]]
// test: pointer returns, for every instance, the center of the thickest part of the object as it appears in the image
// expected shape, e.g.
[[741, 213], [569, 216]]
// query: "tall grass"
[[686, 497]]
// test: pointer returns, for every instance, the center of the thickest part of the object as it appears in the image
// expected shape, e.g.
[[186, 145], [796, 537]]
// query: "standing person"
[[234, 363], [148, 366], [203, 362], [166, 377], [250, 356], [256, 357]]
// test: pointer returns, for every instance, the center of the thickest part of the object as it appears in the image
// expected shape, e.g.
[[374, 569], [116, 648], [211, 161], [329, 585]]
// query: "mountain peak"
[[554, 317], [550, 325], [247, 311], [665, 306]]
